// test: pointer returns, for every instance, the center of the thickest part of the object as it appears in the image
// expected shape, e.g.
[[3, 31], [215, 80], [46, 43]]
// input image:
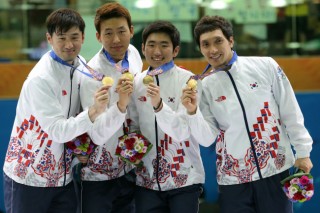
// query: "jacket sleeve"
[[133, 116], [106, 125], [174, 123], [290, 113], [46, 106], [203, 125]]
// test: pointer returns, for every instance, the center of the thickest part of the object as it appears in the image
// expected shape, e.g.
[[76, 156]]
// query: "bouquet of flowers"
[[298, 187], [81, 145], [132, 148]]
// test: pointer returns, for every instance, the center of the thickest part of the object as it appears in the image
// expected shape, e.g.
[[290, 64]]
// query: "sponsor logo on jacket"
[[221, 98]]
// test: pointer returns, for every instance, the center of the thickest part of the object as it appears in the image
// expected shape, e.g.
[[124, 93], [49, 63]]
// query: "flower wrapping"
[[132, 148], [81, 145], [298, 187]]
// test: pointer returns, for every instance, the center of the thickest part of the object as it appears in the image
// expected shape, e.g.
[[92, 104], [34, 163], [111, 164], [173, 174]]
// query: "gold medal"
[[128, 75], [192, 84], [147, 80], [107, 81]]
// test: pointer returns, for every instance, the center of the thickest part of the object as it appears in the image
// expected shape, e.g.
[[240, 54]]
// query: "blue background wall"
[[310, 106]]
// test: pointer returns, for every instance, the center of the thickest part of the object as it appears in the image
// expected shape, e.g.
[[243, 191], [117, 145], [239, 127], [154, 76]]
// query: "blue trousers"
[[19, 198], [185, 199], [261, 196], [112, 196]]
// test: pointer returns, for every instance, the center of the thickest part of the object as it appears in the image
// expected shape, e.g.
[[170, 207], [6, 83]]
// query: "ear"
[[231, 42], [49, 38], [143, 49], [131, 31], [83, 36], [98, 37], [176, 51]]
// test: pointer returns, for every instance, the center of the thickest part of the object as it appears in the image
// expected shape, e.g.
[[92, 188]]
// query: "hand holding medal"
[[124, 89], [189, 96]]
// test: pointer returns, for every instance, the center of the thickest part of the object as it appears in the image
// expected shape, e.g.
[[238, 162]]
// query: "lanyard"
[[159, 70], [124, 64], [205, 73], [93, 73]]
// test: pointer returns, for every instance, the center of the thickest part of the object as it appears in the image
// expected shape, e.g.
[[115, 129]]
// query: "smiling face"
[[216, 49], [66, 45], [115, 35], [158, 49]]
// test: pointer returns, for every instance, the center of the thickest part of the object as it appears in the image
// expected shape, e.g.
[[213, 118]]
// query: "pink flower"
[[304, 180]]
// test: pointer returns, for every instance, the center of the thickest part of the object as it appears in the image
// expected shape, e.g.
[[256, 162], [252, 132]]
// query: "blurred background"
[[287, 30]]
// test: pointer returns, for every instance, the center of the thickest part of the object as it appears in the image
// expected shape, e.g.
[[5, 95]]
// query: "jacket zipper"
[[64, 147], [246, 123], [157, 145]]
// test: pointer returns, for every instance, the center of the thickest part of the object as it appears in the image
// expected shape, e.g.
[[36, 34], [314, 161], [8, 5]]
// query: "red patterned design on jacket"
[[104, 163], [171, 159], [47, 164], [25, 154]]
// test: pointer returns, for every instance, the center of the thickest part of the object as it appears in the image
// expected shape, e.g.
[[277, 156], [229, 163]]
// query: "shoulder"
[[132, 51], [255, 60], [182, 71], [96, 57]]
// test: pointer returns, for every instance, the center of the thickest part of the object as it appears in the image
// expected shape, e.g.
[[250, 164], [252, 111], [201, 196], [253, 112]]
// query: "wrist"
[[192, 112], [122, 107], [92, 113], [159, 107]]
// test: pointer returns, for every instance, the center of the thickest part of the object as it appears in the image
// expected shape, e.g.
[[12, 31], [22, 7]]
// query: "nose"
[[213, 49], [68, 44], [116, 38], [157, 50]]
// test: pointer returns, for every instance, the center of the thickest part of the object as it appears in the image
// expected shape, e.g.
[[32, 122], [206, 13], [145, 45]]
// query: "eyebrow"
[[119, 28], [161, 42], [64, 34]]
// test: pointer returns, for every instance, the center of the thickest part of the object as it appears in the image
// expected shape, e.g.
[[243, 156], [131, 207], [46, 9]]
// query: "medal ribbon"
[[159, 70], [205, 73], [93, 73], [124, 64]]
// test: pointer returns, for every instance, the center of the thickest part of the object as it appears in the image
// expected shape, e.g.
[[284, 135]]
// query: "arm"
[[46, 106], [111, 119], [171, 122], [203, 125], [291, 117]]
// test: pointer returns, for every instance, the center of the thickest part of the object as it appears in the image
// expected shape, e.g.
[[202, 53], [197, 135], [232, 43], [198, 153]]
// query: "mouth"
[[69, 51], [215, 57], [116, 47], [157, 59]]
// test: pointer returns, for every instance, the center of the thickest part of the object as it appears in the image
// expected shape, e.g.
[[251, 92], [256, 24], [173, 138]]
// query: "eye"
[[75, 37], [219, 41], [205, 44]]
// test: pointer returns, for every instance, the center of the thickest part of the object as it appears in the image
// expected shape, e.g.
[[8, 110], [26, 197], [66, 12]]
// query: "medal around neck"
[[147, 80]]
